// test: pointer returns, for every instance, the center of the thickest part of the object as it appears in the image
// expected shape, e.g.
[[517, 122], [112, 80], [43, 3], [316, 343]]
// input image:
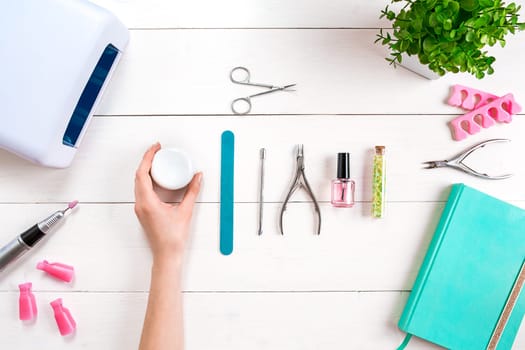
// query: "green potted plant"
[[449, 35]]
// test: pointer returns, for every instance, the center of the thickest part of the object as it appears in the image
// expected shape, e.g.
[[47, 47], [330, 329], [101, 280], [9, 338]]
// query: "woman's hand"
[[167, 228], [166, 225]]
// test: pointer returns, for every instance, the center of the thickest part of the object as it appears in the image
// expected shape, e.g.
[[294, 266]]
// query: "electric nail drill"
[[28, 239]]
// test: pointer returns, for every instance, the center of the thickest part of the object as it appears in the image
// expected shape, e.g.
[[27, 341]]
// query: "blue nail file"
[[226, 225]]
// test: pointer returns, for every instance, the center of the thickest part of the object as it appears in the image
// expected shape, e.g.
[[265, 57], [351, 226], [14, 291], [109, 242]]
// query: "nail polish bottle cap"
[[343, 165]]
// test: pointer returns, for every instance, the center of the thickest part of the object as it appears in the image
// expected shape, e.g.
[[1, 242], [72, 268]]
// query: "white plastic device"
[[56, 57]]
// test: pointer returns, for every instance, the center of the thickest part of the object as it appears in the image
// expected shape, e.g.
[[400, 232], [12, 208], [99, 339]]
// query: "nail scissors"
[[457, 162], [243, 78], [300, 181]]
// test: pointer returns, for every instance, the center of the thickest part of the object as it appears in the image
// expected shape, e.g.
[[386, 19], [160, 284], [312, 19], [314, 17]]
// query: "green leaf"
[[482, 21], [443, 59], [484, 39], [431, 4], [441, 17], [417, 24], [448, 46], [429, 44], [390, 15], [469, 5], [471, 36], [486, 3], [404, 35], [459, 58], [423, 59], [432, 20], [454, 7], [480, 75], [413, 49], [383, 12], [403, 45], [449, 35]]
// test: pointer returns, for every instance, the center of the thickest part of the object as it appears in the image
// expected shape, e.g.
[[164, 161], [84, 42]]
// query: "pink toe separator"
[[26, 302], [485, 108], [65, 322], [58, 270], [469, 98]]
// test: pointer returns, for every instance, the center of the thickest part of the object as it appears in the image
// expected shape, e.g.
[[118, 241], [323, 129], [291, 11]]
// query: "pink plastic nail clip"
[[58, 270], [500, 110], [26, 302], [65, 322], [469, 98]]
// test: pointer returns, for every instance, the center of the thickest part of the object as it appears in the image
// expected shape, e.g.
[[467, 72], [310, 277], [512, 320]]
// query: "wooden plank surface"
[[220, 321], [353, 253], [246, 13], [158, 14], [342, 290], [337, 71], [103, 170]]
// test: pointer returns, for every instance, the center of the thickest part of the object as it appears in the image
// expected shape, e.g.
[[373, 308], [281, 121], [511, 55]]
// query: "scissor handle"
[[245, 78], [246, 101], [465, 154], [245, 75], [457, 162]]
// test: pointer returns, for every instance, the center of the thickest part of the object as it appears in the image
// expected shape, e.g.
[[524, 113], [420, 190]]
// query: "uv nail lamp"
[[56, 57]]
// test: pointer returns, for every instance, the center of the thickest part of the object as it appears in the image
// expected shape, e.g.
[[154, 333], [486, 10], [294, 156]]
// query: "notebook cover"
[[468, 272]]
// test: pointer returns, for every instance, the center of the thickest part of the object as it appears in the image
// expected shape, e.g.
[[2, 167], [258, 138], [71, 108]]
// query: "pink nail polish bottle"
[[58, 270], [343, 188], [26, 302], [65, 322]]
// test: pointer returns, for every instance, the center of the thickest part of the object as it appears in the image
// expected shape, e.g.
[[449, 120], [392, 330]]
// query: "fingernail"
[[199, 177]]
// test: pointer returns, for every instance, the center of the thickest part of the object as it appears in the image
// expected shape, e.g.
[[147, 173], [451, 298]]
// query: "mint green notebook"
[[468, 273]]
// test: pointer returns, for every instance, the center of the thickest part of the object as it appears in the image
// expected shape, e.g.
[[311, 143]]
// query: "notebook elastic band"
[[507, 310], [405, 342]]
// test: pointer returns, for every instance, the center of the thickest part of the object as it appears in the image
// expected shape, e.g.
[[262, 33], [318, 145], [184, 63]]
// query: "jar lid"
[[171, 169]]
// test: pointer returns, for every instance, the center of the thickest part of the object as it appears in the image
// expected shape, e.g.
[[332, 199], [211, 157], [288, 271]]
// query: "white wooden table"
[[342, 290]]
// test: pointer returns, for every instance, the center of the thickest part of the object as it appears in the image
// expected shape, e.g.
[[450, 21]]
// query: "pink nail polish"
[[343, 188], [58, 270], [26, 302], [65, 322]]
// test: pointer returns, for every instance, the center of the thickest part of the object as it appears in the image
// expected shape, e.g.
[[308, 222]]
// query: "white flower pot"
[[412, 63]]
